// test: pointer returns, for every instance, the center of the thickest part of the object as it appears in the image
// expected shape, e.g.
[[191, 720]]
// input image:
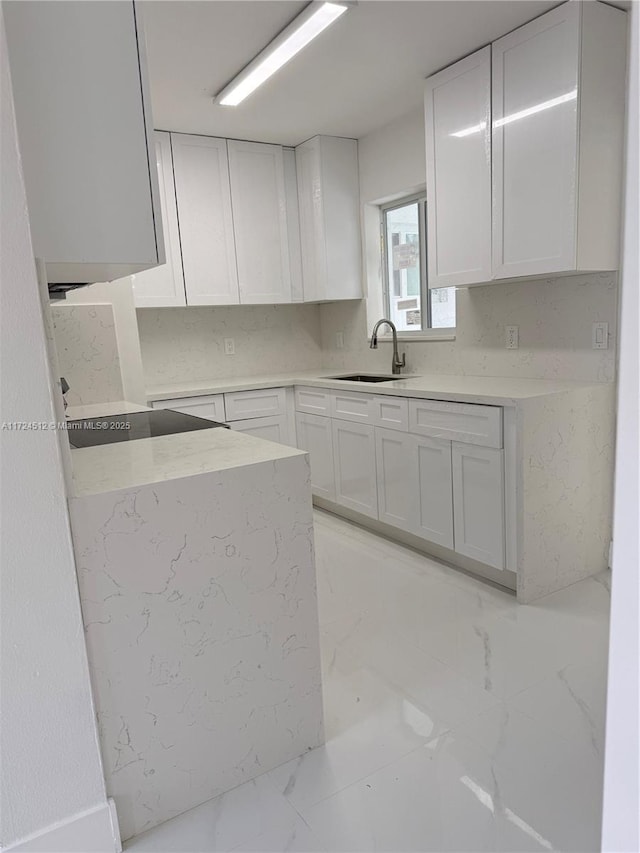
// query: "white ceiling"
[[362, 73]]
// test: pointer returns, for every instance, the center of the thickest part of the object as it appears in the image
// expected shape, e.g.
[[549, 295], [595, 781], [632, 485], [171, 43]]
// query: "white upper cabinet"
[[458, 148], [558, 116], [524, 145], [85, 131], [329, 199], [260, 222], [201, 170], [293, 223], [163, 285]]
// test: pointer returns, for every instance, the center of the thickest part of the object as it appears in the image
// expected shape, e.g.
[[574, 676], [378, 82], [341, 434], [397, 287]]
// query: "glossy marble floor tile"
[[457, 720]]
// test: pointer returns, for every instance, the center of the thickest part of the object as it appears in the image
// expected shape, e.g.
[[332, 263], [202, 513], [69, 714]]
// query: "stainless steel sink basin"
[[365, 377]]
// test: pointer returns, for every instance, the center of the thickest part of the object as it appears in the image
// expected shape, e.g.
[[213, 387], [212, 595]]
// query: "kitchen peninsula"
[[196, 571]]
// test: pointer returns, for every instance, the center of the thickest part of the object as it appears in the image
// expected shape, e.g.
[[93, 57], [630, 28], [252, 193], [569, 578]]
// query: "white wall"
[[51, 768], [554, 315], [188, 343], [621, 815]]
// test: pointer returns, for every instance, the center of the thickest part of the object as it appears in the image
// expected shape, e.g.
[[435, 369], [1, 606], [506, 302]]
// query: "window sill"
[[408, 338]]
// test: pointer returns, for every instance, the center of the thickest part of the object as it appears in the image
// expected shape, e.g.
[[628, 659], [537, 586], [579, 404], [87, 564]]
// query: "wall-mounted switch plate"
[[229, 346], [600, 336], [339, 340], [511, 337]]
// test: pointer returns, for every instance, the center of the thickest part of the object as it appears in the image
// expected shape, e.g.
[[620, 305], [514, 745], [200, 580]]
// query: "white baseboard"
[[92, 831]]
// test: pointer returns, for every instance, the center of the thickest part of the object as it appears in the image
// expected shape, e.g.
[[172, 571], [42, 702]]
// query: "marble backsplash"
[[188, 343], [88, 356], [555, 317]]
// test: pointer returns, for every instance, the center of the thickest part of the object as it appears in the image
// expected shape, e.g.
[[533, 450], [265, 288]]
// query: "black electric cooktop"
[[92, 431]]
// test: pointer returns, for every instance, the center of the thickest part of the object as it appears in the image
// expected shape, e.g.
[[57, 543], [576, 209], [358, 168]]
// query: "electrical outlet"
[[600, 336], [339, 340], [229, 346], [511, 337]]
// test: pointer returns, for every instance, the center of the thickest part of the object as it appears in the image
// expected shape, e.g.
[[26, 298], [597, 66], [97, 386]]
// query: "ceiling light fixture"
[[313, 20]]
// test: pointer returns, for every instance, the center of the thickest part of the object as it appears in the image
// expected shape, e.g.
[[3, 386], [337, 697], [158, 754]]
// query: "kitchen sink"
[[365, 377]]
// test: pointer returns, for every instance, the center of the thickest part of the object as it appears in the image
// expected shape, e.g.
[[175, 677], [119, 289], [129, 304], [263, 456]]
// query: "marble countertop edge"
[[503, 391]]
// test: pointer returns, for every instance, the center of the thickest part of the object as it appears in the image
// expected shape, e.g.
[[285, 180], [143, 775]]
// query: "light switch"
[[600, 336]]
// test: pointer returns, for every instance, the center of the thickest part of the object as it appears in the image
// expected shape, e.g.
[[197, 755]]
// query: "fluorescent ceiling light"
[[310, 23], [530, 111]]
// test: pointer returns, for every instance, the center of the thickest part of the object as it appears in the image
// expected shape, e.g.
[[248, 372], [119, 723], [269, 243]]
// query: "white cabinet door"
[[431, 467], [293, 224], [458, 146], [201, 173], [535, 142], [272, 429], [395, 468], [329, 200], [354, 457], [315, 436], [478, 503], [163, 285], [311, 228], [260, 222], [83, 113]]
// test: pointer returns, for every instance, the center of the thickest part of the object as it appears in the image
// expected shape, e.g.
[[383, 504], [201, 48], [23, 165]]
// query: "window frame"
[[428, 332]]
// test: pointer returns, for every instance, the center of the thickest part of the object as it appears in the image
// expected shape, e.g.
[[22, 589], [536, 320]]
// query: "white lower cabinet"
[[478, 503], [316, 437], [395, 465], [450, 493], [273, 428], [433, 489], [354, 460]]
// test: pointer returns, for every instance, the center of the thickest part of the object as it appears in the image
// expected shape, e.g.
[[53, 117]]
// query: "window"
[[408, 300]]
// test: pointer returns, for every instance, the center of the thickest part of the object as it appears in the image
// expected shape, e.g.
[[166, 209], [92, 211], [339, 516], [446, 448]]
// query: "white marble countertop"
[[129, 464], [503, 391]]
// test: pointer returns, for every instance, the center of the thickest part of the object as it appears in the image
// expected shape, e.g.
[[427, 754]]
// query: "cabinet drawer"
[[241, 405], [391, 412], [352, 407], [209, 406], [315, 401], [466, 422], [271, 428]]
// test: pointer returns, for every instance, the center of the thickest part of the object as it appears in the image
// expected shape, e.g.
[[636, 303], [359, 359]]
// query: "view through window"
[[411, 305]]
